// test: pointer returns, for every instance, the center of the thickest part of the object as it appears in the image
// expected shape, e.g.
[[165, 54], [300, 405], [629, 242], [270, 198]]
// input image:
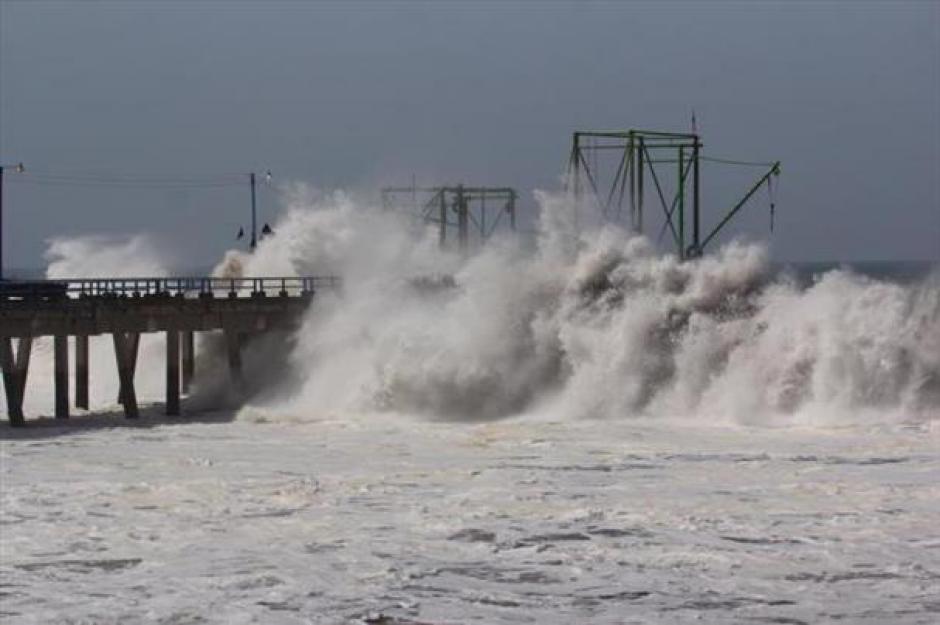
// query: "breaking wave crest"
[[590, 323]]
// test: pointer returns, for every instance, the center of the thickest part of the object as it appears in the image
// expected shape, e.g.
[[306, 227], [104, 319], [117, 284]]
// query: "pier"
[[125, 308]]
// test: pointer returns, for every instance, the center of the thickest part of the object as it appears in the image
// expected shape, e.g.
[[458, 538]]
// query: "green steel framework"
[[455, 208], [639, 152]]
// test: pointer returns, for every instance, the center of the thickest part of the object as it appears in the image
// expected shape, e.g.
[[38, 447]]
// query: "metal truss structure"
[[642, 152], [460, 209]]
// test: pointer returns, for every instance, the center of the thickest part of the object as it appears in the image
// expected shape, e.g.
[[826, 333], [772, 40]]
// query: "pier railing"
[[193, 287]]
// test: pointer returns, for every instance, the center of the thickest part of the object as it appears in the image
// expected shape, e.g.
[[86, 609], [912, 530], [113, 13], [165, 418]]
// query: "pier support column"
[[172, 372], [189, 358], [233, 341], [60, 343], [133, 344], [10, 382], [81, 371], [15, 367], [125, 352]]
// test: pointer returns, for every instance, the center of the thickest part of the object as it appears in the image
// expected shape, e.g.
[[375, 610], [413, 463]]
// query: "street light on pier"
[[252, 178]]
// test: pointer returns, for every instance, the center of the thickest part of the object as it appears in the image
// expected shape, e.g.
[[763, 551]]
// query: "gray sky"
[[846, 94]]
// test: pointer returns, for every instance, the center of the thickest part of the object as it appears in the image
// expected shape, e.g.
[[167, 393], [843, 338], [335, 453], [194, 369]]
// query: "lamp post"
[[254, 218], [19, 169]]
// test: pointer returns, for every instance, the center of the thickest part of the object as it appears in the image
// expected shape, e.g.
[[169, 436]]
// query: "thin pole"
[[631, 147], [254, 221], [627, 165], [576, 164], [681, 193], [774, 171], [695, 198], [639, 185]]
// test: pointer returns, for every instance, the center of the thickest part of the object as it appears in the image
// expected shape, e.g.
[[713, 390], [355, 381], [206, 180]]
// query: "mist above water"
[[592, 322], [595, 322]]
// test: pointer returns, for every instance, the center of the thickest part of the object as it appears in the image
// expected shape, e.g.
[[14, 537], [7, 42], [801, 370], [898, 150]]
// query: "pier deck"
[[128, 307]]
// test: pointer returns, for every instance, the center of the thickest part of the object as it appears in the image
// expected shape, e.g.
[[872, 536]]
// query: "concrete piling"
[[132, 341], [61, 364], [189, 358], [125, 352], [81, 371], [15, 367], [173, 372]]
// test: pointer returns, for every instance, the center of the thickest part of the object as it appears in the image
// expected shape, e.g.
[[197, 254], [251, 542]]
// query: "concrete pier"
[[125, 308]]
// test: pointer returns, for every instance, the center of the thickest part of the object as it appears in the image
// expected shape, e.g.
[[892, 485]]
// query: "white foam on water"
[[515, 520]]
